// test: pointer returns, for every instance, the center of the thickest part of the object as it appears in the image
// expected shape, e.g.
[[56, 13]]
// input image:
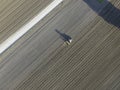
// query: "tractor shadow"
[[63, 36]]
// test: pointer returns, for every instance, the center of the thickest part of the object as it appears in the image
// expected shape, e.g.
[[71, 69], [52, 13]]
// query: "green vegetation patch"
[[100, 1]]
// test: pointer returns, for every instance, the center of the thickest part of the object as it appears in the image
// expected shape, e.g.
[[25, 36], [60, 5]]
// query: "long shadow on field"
[[63, 36], [106, 10]]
